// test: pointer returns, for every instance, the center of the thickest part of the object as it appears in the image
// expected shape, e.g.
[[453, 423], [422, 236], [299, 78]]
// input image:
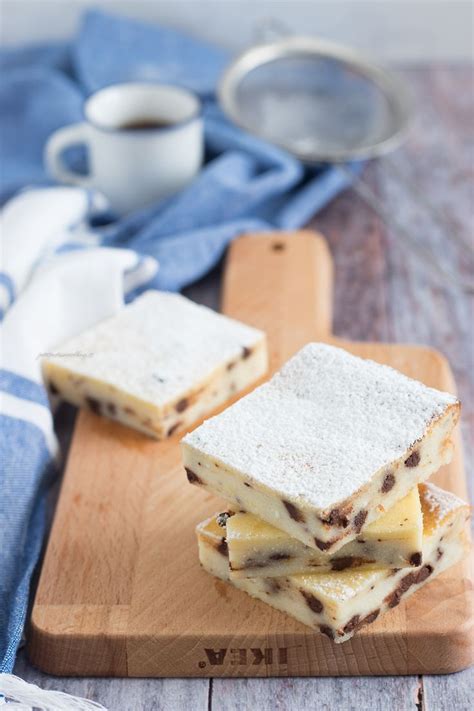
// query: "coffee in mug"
[[144, 140]]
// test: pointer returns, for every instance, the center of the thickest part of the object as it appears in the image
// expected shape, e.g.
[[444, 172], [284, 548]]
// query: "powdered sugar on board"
[[322, 427], [157, 347]]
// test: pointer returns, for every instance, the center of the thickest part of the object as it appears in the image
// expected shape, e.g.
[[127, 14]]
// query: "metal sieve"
[[319, 101], [325, 103]]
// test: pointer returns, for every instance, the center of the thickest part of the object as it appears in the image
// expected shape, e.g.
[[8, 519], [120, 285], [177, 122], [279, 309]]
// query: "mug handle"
[[60, 140]]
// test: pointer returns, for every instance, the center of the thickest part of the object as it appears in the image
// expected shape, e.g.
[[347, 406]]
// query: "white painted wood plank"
[[453, 691], [125, 694], [337, 694]]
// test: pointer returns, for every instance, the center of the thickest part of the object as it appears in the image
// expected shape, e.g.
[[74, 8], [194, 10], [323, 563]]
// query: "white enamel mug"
[[145, 142]]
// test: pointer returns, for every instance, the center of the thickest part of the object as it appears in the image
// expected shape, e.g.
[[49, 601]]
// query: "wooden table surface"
[[381, 294]]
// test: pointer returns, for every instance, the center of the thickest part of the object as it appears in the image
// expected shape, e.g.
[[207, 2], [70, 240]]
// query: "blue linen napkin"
[[246, 185]]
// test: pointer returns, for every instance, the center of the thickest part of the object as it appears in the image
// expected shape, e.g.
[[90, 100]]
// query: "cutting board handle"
[[281, 282]]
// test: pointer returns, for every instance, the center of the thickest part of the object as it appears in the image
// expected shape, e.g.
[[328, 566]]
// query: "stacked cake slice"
[[321, 467], [340, 603], [258, 549]]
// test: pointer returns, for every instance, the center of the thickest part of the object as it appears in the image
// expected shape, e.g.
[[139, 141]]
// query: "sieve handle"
[[269, 29]]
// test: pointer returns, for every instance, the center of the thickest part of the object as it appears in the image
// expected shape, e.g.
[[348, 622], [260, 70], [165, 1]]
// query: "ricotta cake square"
[[340, 603], [324, 448], [257, 549], [159, 365]]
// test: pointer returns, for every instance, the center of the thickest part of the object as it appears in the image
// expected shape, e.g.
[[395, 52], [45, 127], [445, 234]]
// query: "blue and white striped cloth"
[[54, 283]]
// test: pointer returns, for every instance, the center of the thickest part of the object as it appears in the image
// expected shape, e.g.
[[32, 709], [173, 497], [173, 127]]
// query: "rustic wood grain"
[[358, 694], [372, 281]]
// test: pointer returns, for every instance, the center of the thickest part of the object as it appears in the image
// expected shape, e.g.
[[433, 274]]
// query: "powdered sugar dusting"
[[439, 502], [158, 347], [323, 426]]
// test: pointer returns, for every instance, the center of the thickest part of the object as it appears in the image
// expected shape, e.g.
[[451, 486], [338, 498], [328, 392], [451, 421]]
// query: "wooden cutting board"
[[121, 592]]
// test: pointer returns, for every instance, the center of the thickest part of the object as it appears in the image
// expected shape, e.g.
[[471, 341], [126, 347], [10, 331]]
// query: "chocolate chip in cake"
[[173, 428], [254, 563], [222, 518], [415, 559], [222, 547], [273, 586], [352, 624], [413, 460], [439, 553], [407, 581], [323, 545], [295, 513], [93, 404], [182, 404], [192, 477], [280, 556], [359, 520], [325, 629], [246, 352], [423, 573], [388, 482], [230, 365], [336, 518], [247, 484], [278, 246], [313, 603], [53, 389], [111, 408], [394, 598], [369, 618], [349, 562], [341, 563]]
